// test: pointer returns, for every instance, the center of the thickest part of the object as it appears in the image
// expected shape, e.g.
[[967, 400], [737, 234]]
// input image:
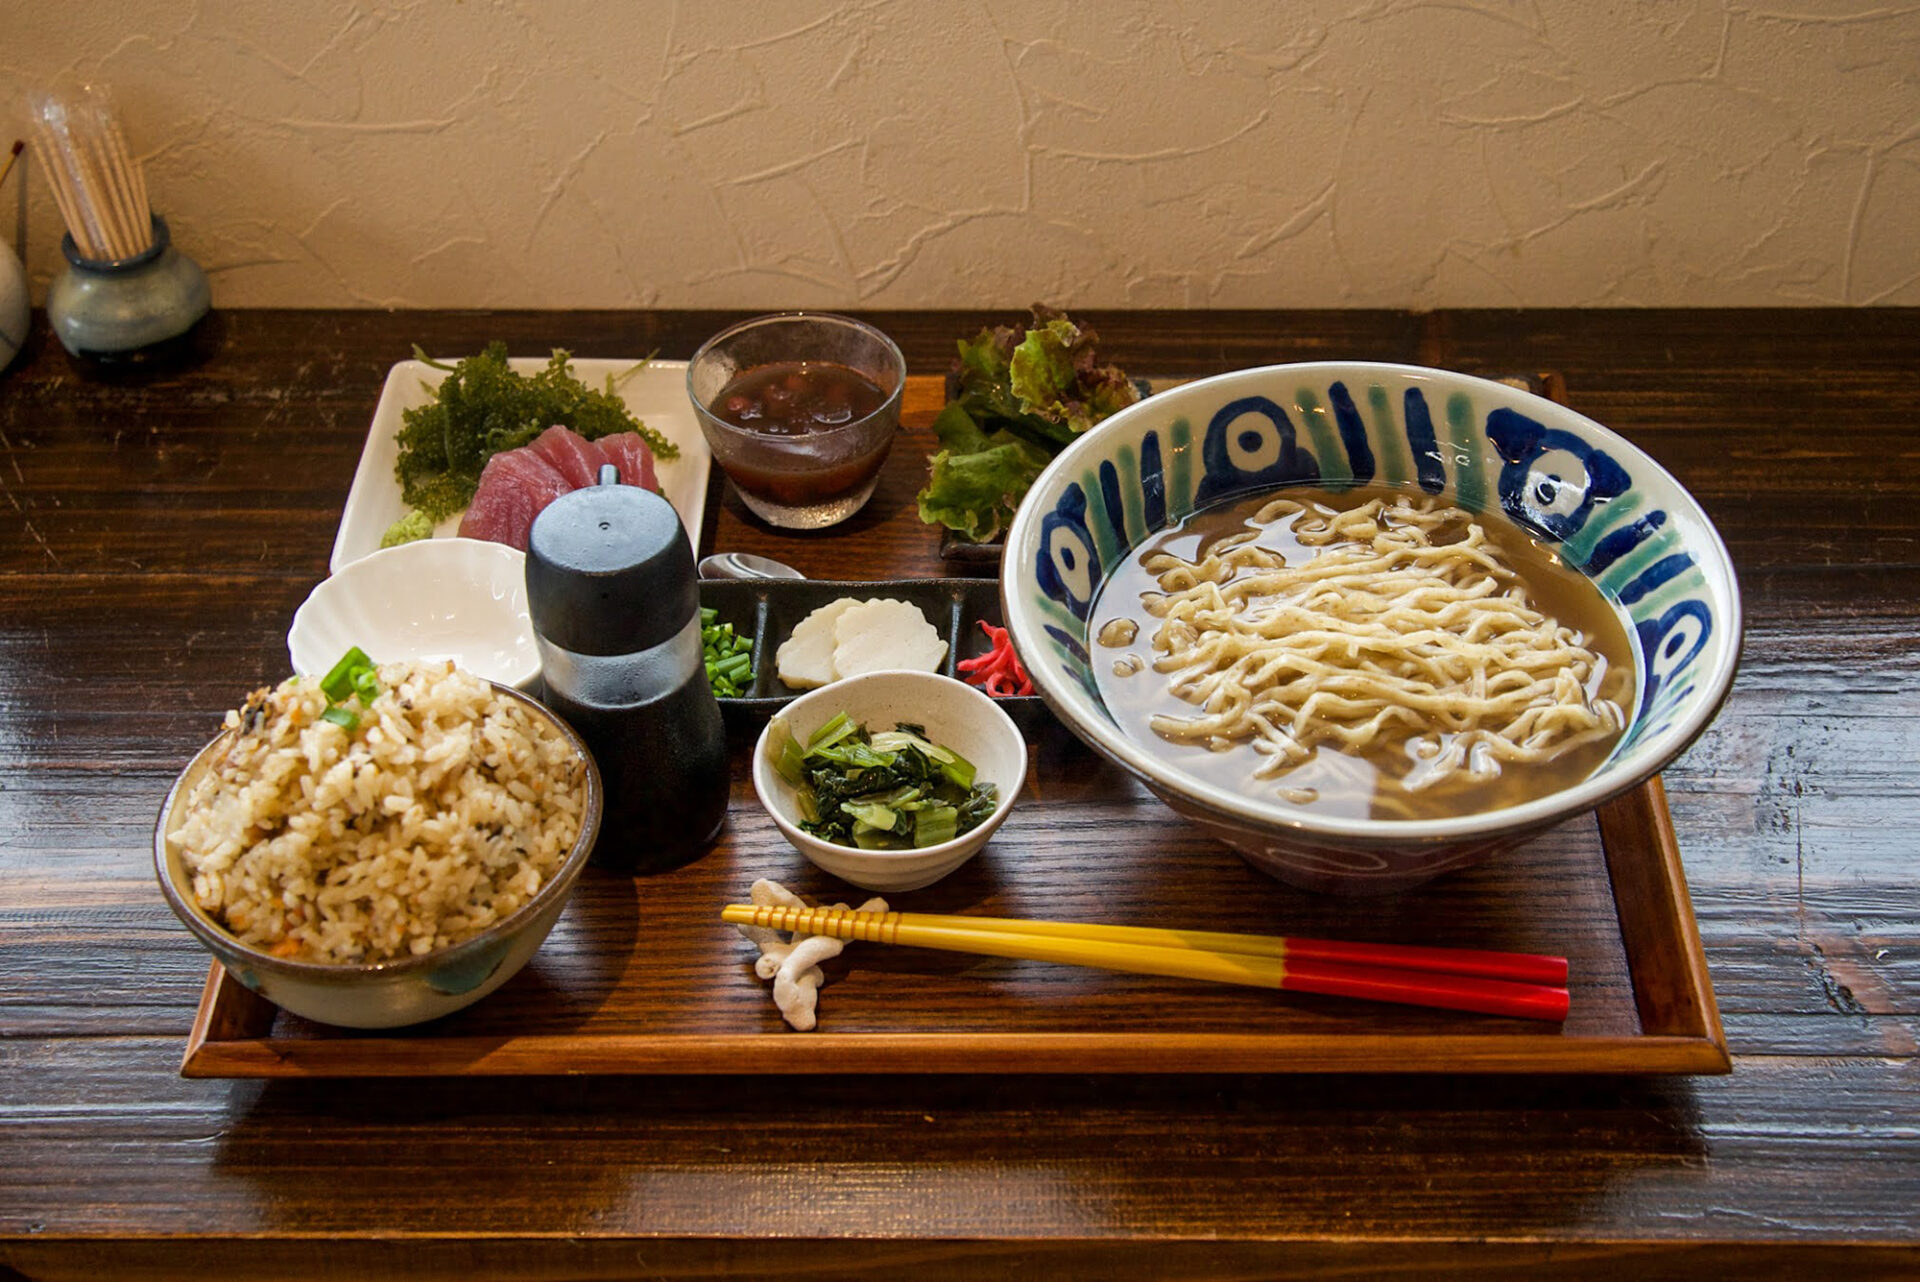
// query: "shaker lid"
[[610, 571]]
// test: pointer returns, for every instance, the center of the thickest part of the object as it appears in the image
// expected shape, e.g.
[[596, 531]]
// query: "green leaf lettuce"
[[977, 480], [1022, 394]]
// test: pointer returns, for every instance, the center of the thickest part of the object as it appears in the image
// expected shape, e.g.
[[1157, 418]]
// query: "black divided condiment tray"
[[766, 610]]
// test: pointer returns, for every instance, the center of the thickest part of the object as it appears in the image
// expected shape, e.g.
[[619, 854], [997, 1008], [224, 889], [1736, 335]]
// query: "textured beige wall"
[[895, 153]]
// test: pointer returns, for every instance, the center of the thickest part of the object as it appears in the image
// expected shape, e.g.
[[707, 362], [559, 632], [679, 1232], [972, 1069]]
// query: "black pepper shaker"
[[615, 603]]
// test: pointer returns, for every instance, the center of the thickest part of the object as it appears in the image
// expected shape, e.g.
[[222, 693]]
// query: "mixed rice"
[[442, 810]]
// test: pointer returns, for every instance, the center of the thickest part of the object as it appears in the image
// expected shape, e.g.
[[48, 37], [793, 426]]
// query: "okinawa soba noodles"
[[1372, 652]]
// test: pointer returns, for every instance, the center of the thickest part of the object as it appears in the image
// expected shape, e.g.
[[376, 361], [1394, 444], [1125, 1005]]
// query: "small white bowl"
[[458, 599], [955, 715]]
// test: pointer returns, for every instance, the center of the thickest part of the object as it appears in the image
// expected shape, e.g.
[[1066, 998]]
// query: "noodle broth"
[[1373, 653]]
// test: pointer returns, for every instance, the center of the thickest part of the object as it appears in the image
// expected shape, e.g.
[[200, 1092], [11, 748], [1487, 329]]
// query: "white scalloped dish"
[[452, 598]]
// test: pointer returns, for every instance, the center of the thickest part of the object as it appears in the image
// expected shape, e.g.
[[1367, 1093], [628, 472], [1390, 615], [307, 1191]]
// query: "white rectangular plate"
[[657, 395]]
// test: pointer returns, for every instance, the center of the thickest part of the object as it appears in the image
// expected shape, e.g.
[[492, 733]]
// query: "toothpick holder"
[[122, 309]]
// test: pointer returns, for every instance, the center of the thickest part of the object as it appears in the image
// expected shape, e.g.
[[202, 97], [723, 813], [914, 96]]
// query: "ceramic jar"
[[15, 312], [118, 308]]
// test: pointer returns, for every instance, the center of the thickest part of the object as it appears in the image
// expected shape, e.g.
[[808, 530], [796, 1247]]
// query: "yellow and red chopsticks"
[[1525, 985]]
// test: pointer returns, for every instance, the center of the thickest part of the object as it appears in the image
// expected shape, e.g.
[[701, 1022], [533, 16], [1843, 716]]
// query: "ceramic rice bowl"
[[388, 994], [1605, 507]]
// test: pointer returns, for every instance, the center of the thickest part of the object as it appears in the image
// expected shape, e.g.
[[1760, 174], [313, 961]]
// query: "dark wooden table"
[[157, 532]]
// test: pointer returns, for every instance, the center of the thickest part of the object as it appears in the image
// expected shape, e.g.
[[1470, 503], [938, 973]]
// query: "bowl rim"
[[1608, 780], [217, 937], [443, 554], [763, 773]]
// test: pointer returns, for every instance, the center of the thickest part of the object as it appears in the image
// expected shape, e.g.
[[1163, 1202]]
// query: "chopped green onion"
[[354, 675], [727, 655], [346, 676]]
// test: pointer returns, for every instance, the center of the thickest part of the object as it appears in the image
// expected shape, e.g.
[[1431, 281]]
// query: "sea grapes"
[[483, 407]]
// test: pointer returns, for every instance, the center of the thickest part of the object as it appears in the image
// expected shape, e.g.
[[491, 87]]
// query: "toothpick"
[[138, 176], [59, 178]]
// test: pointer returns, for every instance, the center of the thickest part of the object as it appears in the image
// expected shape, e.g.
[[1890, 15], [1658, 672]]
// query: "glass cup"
[[818, 466]]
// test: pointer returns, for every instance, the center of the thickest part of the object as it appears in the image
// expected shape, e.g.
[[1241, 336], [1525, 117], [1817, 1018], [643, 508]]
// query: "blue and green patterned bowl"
[[1609, 510]]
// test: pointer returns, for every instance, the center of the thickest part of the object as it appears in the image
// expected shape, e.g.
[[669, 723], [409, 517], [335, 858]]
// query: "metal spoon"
[[745, 565]]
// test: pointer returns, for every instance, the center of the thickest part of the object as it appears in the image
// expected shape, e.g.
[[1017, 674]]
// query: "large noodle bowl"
[[1371, 653]]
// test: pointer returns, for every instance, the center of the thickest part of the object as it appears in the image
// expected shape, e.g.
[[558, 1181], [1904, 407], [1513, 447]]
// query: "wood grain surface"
[[159, 528]]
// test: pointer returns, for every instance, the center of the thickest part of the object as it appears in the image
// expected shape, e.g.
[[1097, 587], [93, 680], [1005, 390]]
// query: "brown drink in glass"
[[799, 410]]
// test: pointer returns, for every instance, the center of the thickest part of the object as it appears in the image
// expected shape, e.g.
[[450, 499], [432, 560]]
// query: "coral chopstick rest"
[[1455, 979]]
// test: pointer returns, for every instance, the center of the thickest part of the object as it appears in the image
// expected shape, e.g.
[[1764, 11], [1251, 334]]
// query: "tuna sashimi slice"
[[517, 484], [514, 487], [572, 455], [628, 451]]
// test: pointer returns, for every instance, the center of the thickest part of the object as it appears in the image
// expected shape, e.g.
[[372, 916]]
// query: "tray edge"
[[1672, 988]]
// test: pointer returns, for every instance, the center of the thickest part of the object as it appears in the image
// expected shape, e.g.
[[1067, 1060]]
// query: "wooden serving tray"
[[640, 976]]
